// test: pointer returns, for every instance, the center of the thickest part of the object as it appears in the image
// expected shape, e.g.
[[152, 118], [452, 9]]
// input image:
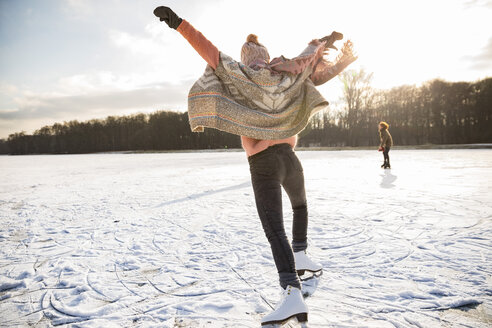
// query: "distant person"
[[386, 143], [267, 103]]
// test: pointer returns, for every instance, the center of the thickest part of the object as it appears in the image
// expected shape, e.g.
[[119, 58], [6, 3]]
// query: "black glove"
[[167, 15], [330, 39]]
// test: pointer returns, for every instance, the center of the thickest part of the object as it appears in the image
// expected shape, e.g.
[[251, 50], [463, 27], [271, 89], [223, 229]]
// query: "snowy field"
[[173, 240]]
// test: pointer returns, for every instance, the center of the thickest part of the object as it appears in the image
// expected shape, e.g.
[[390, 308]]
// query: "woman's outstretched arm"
[[205, 48]]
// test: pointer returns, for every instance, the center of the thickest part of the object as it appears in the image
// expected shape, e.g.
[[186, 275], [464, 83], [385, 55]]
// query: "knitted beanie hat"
[[252, 51]]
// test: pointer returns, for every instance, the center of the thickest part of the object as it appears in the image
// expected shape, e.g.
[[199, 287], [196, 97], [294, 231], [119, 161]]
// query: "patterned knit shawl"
[[259, 103]]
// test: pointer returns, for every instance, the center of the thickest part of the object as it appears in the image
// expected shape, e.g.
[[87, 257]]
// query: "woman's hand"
[[168, 16], [330, 39]]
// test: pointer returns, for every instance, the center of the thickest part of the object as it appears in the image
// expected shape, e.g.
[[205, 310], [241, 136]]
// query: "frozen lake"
[[173, 240]]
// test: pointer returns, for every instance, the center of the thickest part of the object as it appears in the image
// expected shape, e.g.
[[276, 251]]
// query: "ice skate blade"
[[302, 318], [309, 274], [278, 325]]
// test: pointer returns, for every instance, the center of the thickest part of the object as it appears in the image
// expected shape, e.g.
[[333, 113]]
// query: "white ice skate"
[[290, 305], [305, 265], [309, 273]]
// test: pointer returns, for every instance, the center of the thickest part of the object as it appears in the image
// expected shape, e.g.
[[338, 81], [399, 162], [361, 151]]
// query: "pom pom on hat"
[[252, 38]]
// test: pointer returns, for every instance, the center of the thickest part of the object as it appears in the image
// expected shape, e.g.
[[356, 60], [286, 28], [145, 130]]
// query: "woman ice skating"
[[267, 103], [386, 143]]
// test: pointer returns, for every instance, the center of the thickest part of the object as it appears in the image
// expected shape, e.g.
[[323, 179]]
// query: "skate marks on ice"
[[406, 256], [91, 244], [112, 261], [78, 292], [206, 193]]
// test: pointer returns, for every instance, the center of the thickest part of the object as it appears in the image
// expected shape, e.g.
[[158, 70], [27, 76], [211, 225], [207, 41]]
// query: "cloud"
[[478, 3], [6, 88], [152, 97], [151, 44], [157, 54], [482, 60], [102, 81]]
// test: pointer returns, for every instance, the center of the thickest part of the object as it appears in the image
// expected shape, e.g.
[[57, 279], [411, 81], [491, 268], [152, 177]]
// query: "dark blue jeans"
[[272, 169], [386, 156]]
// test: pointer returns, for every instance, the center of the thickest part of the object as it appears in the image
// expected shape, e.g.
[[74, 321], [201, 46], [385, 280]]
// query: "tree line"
[[161, 130], [437, 112]]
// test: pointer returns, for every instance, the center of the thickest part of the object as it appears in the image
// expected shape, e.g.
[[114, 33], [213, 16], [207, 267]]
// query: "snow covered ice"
[[173, 240]]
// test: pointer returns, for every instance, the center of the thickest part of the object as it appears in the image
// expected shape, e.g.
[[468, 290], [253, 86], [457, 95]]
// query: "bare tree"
[[357, 94]]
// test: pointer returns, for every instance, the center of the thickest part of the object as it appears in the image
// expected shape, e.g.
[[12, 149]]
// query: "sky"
[[63, 60]]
